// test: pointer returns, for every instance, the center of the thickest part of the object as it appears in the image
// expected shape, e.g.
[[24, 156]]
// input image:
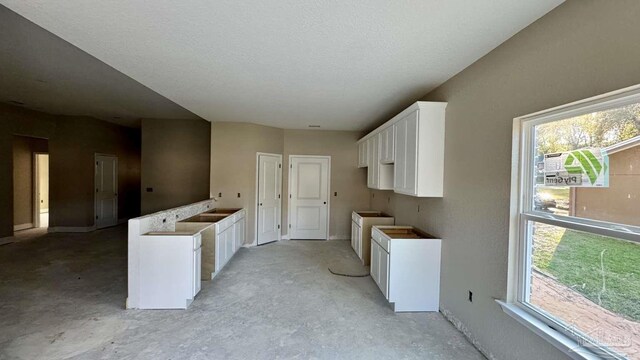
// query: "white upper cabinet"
[[406, 154], [363, 152], [387, 148], [379, 176], [372, 172]]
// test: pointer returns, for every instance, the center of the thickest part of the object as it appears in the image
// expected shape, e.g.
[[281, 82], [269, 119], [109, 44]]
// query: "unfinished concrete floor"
[[62, 296]]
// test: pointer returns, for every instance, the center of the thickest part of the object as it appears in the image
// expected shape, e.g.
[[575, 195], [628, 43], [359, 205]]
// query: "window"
[[576, 223]]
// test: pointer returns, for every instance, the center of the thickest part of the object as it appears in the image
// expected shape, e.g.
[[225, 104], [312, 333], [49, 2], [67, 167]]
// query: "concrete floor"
[[62, 296]]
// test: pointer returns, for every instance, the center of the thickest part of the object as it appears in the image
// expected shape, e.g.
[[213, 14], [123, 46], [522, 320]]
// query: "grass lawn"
[[574, 259]]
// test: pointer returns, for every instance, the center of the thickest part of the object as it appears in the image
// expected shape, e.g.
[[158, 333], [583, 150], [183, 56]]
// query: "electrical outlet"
[[238, 194], [470, 296], [219, 194], [335, 193]]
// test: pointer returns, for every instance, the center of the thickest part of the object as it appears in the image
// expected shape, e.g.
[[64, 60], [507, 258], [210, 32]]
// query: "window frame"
[[523, 213]]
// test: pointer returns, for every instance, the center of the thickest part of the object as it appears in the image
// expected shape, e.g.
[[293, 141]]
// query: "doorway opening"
[[41, 190], [30, 183]]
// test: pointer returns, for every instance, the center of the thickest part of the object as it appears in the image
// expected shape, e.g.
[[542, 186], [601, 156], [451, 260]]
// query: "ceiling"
[[42, 72], [343, 65]]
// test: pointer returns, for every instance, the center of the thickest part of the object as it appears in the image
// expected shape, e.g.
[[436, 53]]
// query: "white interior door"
[[269, 198], [106, 191], [309, 197]]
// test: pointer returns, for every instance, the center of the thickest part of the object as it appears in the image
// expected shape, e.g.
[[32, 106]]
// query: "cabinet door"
[[359, 241], [362, 154], [197, 270], [370, 162], [375, 263], [383, 282], [401, 158], [231, 243], [406, 144], [220, 251], [382, 144], [390, 150], [411, 159], [374, 163], [387, 145], [353, 235], [239, 234]]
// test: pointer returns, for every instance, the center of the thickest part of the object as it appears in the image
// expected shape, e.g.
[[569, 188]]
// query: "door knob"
[[260, 204], [325, 203]]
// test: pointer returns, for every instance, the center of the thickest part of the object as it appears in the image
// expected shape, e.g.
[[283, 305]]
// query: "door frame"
[[328, 157], [36, 189], [95, 199], [257, 201]]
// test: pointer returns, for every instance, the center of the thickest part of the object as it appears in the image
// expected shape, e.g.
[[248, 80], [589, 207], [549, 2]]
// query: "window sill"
[[565, 344]]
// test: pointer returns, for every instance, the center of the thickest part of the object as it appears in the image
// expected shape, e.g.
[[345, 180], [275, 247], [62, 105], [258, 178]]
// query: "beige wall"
[[347, 180], [23, 187], [580, 49], [233, 168], [175, 163], [73, 141], [233, 164], [620, 202]]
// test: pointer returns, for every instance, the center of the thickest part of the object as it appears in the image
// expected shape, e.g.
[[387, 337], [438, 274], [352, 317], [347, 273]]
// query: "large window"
[[576, 222]]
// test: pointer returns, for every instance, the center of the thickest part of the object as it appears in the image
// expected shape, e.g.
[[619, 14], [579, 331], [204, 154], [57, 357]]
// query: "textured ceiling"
[[344, 65], [42, 72]]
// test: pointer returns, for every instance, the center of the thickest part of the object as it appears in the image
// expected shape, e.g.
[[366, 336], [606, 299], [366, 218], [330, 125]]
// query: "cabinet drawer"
[[224, 224], [380, 238]]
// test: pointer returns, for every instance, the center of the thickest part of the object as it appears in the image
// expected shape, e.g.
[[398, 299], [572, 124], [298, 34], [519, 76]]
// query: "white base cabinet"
[[169, 270], [230, 235], [405, 264], [361, 223], [221, 238]]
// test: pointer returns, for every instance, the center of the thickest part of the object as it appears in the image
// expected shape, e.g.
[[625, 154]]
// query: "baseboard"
[[71, 229], [339, 237], [6, 240], [284, 237], [22, 227], [466, 332]]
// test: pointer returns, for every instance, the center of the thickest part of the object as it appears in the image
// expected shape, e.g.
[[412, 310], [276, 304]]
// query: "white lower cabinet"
[[405, 264], [169, 269], [197, 270], [356, 238], [239, 233], [380, 268], [361, 222], [230, 235]]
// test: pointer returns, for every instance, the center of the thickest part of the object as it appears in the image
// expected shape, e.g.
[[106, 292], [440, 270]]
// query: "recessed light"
[[314, 126]]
